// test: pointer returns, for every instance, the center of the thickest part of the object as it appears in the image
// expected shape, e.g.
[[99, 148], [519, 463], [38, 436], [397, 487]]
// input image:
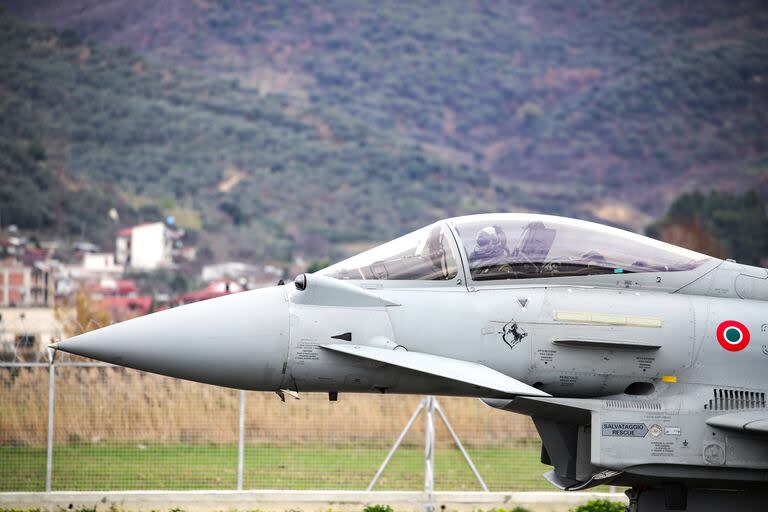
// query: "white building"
[[144, 247], [26, 331], [95, 266], [229, 270], [101, 263], [123, 246]]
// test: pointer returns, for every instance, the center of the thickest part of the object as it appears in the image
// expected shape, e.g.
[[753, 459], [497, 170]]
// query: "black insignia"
[[512, 334]]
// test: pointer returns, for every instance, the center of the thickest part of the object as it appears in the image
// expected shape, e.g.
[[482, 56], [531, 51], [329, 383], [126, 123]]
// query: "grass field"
[[124, 467], [122, 430]]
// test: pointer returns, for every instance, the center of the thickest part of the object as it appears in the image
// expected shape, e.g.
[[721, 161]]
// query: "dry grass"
[[95, 405]]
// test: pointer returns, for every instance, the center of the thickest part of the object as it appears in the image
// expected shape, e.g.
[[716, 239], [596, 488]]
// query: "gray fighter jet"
[[641, 363]]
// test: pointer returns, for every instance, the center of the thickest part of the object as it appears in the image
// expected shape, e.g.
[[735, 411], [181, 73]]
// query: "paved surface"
[[307, 501]]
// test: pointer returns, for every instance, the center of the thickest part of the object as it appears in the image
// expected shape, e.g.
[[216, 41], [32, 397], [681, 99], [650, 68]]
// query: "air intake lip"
[[640, 389]]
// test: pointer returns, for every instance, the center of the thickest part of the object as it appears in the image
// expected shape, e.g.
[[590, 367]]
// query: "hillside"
[[719, 224], [608, 107], [33, 198], [256, 175]]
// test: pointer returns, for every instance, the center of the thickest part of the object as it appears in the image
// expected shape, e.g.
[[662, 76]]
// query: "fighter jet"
[[642, 364]]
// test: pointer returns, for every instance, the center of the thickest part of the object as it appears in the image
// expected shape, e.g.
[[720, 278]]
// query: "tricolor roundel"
[[733, 335]]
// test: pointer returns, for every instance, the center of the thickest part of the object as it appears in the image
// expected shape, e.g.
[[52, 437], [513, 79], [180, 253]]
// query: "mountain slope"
[[572, 101], [264, 177]]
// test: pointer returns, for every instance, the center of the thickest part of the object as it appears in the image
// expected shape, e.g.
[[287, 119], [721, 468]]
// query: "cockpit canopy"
[[515, 246], [520, 246], [427, 254]]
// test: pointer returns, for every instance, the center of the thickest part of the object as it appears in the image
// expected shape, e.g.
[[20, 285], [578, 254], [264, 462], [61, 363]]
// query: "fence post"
[[51, 397], [241, 443], [429, 455]]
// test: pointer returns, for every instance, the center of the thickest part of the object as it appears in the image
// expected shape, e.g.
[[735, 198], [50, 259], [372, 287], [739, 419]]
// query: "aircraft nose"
[[239, 341]]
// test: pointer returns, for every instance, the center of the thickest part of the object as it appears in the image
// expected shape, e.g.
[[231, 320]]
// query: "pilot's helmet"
[[487, 242]]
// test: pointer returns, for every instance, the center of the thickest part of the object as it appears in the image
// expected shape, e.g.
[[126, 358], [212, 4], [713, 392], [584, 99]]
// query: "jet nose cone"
[[238, 341]]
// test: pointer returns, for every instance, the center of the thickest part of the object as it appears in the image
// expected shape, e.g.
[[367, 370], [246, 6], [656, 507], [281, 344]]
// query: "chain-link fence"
[[119, 429]]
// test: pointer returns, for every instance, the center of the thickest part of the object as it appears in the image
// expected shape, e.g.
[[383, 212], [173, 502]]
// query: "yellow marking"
[[607, 319], [571, 316], [644, 321], [668, 378]]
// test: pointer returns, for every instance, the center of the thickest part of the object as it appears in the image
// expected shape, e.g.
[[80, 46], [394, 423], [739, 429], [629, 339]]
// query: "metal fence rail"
[[76, 425]]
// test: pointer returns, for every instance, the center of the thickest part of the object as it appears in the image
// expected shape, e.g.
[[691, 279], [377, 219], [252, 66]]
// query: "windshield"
[[426, 254], [519, 246]]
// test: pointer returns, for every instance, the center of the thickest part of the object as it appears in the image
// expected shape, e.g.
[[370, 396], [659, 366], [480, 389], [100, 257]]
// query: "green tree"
[[718, 223], [317, 265]]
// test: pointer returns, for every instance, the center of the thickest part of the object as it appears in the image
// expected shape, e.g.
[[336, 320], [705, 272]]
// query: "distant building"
[[123, 246], [120, 298], [85, 247], [26, 285], [124, 308], [93, 267], [108, 287], [145, 247], [25, 332], [213, 290], [255, 276], [101, 263], [229, 270], [188, 253], [15, 245]]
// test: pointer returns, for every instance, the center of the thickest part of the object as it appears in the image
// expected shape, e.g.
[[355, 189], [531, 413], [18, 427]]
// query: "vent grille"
[[734, 399], [633, 404]]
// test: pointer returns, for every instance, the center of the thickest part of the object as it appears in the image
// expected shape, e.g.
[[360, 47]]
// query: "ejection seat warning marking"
[[662, 449], [546, 355], [624, 429], [644, 362], [307, 350]]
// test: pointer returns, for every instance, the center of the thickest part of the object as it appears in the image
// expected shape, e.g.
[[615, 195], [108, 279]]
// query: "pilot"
[[490, 247]]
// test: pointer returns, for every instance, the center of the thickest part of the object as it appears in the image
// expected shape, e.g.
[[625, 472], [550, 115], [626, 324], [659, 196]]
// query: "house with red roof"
[[213, 290]]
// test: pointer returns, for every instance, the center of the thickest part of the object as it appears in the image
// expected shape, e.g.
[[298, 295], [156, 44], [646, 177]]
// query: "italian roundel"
[[733, 335]]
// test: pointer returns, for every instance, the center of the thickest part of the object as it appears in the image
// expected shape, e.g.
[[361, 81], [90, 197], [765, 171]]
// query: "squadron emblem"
[[512, 334]]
